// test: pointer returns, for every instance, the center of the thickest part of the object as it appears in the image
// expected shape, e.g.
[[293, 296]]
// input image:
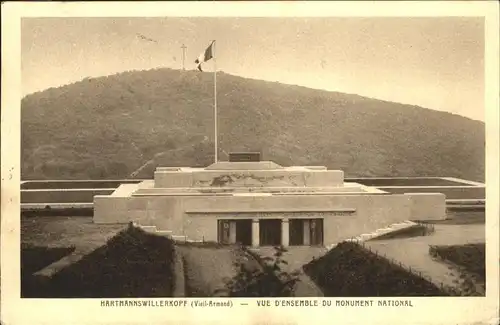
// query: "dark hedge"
[[350, 270]]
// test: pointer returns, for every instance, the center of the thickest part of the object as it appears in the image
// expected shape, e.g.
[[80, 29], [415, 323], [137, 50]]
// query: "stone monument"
[[259, 203]]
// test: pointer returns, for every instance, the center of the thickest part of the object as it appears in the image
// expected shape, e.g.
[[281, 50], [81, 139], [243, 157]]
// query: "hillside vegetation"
[[126, 124]]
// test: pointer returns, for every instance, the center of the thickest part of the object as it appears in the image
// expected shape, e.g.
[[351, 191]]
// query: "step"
[[402, 224], [164, 233], [194, 241], [465, 207], [465, 201], [365, 236], [391, 229], [179, 238], [376, 233], [383, 229], [154, 230], [149, 229]]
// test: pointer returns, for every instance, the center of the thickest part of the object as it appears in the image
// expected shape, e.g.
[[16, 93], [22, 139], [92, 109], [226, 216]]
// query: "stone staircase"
[[377, 233], [165, 233], [361, 238]]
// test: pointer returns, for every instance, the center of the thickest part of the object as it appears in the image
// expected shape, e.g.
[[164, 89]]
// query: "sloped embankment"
[[469, 261], [131, 264], [349, 270]]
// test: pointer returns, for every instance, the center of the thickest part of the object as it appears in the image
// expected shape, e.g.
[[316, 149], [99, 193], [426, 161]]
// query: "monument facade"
[[261, 203]]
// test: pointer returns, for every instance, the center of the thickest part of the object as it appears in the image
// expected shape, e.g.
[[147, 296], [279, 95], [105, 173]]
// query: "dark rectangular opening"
[[244, 156], [244, 232], [316, 230], [223, 232], [307, 232], [270, 232], [296, 232]]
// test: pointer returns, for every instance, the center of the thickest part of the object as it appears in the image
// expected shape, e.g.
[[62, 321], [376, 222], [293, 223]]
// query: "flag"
[[205, 56]]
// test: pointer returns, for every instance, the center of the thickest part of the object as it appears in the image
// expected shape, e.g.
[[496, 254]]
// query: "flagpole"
[[215, 102]]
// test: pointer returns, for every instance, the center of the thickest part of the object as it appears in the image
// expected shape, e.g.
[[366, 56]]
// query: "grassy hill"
[[127, 124]]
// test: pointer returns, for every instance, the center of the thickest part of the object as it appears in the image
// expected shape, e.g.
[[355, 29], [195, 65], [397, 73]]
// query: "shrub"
[[268, 281], [349, 270], [131, 264]]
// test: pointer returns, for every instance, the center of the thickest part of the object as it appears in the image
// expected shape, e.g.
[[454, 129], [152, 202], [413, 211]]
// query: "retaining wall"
[[406, 181], [427, 206], [63, 195], [74, 184], [451, 192]]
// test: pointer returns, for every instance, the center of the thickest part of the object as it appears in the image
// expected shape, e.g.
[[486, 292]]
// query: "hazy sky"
[[436, 63]]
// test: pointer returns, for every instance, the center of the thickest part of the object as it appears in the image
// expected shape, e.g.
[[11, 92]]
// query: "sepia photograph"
[[233, 156]]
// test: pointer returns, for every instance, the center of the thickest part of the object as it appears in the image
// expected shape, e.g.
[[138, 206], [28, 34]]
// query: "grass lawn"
[[462, 217], [66, 231], [66, 212]]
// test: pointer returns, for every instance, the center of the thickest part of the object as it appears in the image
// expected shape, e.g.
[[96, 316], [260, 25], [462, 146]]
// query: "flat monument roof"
[[244, 156], [247, 165]]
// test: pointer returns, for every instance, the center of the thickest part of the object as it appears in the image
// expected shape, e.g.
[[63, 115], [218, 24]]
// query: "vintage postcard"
[[250, 163]]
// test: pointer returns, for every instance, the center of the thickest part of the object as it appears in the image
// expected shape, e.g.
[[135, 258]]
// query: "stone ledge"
[[254, 165], [274, 210], [43, 206], [254, 189]]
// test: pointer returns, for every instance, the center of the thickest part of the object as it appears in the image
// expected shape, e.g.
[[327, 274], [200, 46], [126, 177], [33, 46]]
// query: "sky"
[[433, 62]]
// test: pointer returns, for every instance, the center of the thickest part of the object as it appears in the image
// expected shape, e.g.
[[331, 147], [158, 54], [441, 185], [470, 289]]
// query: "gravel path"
[[207, 269], [296, 257]]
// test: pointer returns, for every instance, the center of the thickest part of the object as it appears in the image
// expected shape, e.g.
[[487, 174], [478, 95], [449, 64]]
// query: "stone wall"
[[451, 192], [164, 212], [63, 195], [254, 178], [173, 179], [354, 215], [370, 213], [282, 203], [196, 217], [275, 190], [75, 184], [427, 206]]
